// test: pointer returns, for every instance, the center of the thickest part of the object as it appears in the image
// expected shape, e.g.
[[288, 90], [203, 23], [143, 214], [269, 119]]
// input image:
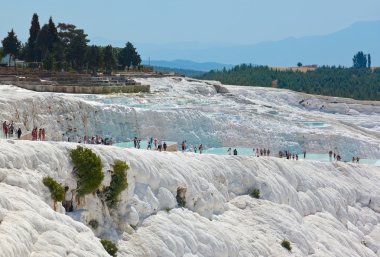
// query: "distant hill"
[[189, 65], [333, 49], [187, 73]]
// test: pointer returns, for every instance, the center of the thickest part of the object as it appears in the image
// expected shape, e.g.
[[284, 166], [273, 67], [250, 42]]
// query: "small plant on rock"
[[57, 191], [286, 244], [119, 183], [181, 196], [109, 247], [94, 224], [88, 170], [255, 193]]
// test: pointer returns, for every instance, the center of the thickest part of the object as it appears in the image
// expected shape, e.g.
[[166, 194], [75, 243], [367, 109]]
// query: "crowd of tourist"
[[38, 134]]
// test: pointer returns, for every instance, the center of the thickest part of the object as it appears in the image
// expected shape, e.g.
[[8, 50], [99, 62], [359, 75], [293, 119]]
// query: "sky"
[[203, 21]]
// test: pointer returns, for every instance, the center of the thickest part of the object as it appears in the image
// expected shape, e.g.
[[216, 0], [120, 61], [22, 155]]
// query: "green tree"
[[11, 45], [93, 58], [129, 57], [88, 170], [136, 60], [48, 61], [108, 59], [369, 61], [47, 39], [31, 51], [75, 44], [359, 60]]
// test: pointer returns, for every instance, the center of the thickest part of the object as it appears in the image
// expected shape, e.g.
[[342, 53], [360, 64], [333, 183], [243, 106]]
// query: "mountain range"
[[337, 48]]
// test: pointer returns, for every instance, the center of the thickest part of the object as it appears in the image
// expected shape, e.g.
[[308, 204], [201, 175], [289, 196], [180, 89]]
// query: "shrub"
[[109, 247], [119, 182], [88, 169], [94, 224], [286, 244], [57, 191], [255, 193], [181, 199]]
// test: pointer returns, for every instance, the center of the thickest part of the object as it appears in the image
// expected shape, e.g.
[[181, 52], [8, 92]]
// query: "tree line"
[[356, 83], [66, 47]]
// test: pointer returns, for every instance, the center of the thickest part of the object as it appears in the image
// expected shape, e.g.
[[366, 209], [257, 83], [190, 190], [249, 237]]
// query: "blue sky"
[[204, 21]]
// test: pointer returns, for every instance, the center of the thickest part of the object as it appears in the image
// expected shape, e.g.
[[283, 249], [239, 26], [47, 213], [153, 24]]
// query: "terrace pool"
[[223, 151], [314, 124]]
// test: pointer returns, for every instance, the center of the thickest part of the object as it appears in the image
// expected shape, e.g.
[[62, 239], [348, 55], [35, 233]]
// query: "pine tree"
[[129, 57], [369, 61], [359, 60], [11, 45], [31, 51], [109, 59]]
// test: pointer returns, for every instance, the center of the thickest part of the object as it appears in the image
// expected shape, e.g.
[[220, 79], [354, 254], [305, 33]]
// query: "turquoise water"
[[143, 144], [223, 151], [317, 124]]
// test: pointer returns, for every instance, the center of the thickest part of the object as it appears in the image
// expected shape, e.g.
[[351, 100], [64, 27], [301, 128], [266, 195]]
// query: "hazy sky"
[[211, 21]]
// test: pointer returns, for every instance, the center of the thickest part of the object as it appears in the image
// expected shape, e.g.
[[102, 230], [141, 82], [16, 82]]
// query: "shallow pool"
[[314, 124], [223, 151], [143, 144]]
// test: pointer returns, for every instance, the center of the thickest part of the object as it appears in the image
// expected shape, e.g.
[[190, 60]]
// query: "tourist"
[[149, 146], [43, 134], [200, 148], [19, 133], [183, 146], [229, 151], [296, 157], [268, 152], [165, 146], [353, 159], [304, 154], [135, 142], [155, 143], [357, 159], [235, 152]]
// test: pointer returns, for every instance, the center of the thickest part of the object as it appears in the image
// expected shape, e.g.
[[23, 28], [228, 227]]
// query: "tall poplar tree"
[[369, 61], [31, 50]]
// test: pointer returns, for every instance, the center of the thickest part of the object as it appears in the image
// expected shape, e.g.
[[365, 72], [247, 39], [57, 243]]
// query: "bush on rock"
[[57, 191], [119, 183], [255, 193], [94, 224], [109, 247], [286, 244], [88, 169]]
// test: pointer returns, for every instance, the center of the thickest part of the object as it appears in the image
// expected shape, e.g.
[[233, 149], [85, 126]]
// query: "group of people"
[[95, 140], [288, 155], [37, 134], [191, 148], [158, 145], [9, 130], [335, 155], [230, 152], [261, 152]]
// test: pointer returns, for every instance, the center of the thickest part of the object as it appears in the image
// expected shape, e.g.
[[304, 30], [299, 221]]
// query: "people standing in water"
[[200, 148], [235, 152], [229, 151]]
